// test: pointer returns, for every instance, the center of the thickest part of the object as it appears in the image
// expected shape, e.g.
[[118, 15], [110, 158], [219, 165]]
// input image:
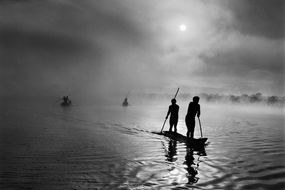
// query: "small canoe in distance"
[[197, 143], [66, 103], [125, 104]]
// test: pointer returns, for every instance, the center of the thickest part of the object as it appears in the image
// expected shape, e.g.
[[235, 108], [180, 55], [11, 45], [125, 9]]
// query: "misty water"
[[46, 146]]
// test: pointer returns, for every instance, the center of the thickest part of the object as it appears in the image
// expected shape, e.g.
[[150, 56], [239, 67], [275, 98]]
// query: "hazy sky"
[[115, 46]]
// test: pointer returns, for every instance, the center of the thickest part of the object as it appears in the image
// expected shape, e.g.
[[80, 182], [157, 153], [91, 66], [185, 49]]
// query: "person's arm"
[[199, 111]]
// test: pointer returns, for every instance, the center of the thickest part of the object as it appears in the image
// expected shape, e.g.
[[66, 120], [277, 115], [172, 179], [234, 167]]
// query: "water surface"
[[111, 147]]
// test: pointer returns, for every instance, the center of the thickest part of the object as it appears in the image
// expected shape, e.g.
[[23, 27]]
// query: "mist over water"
[[87, 146], [100, 52]]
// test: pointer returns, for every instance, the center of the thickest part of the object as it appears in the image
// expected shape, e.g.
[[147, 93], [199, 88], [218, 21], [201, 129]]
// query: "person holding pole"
[[193, 110], [173, 112]]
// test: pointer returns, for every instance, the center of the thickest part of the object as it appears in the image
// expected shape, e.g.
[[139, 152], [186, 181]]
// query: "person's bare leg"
[[170, 127]]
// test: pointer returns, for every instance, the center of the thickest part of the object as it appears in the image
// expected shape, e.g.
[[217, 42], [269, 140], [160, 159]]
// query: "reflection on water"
[[172, 151], [191, 170], [114, 148], [191, 164]]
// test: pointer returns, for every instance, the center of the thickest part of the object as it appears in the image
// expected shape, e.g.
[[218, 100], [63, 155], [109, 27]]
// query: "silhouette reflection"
[[190, 162], [191, 171], [172, 151], [191, 165]]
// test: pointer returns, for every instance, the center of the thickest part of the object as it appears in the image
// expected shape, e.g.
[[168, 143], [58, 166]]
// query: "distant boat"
[[125, 102], [68, 103], [195, 143]]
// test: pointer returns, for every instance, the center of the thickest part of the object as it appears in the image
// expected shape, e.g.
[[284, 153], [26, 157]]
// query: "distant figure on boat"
[[125, 102], [66, 101], [173, 112], [193, 110]]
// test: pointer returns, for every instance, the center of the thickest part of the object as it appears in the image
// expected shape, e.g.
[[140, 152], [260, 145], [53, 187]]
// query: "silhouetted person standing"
[[173, 111], [125, 103], [193, 110], [66, 100]]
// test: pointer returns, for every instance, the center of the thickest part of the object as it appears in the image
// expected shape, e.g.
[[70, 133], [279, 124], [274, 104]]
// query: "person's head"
[[173, 101], [196, 99]]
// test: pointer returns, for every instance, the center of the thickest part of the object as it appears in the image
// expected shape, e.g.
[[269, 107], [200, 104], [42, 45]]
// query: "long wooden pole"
[[163, 125], [200, 127], [176, 93], [166, 118]]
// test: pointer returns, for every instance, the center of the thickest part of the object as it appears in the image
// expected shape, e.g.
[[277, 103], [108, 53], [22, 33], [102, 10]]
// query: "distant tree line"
[[236, 99], [245, 98]]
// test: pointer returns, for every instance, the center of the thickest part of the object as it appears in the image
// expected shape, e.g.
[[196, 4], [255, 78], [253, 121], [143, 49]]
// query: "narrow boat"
[[196, 143], [66, 103]]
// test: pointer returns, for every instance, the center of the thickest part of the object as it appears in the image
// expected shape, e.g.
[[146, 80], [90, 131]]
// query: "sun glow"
[[182, 27]]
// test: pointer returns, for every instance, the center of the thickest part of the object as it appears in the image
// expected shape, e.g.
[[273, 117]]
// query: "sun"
[[182, 27]]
